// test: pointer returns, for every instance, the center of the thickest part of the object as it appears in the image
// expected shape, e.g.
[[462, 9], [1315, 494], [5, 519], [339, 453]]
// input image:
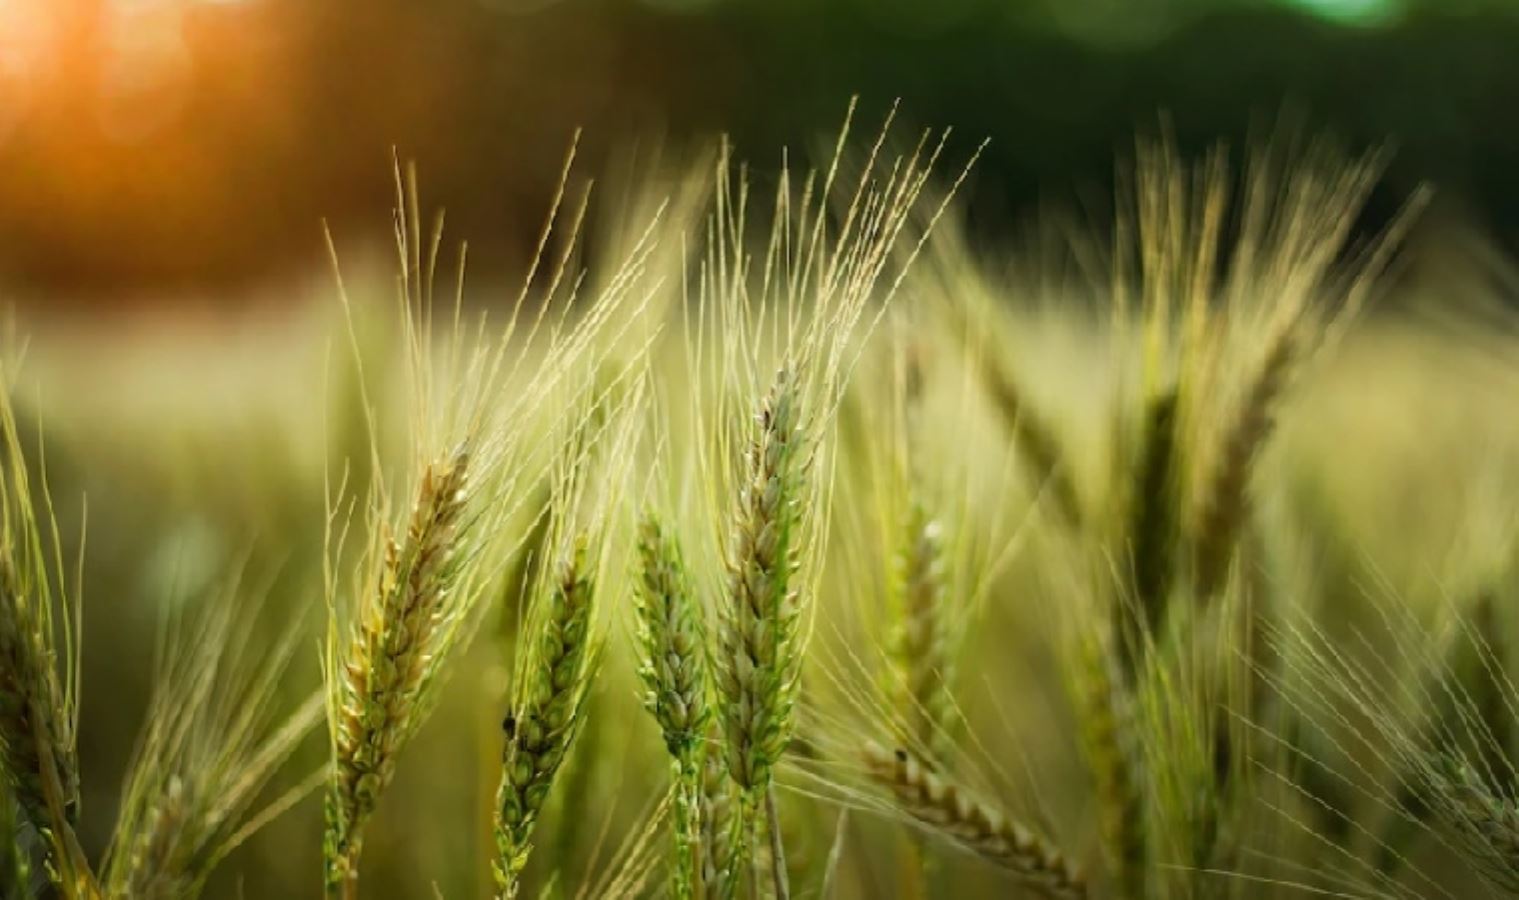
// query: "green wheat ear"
[[546, 713], [1117, 771], [673, 668], [759, 658], [1155, 526], [923, 652]]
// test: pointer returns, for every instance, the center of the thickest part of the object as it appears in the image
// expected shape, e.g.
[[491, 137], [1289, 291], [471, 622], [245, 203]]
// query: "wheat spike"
[[759, 659], [923, 651], [757, 665], [673, 670], [35, 734], [1226, 498], [1107, 726], [953, 813], [1037, 443], [1153, 531], [546, 713], [216, 733], [391, 659], [1486, 821]]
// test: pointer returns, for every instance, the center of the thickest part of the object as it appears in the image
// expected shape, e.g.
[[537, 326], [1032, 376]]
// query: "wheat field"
[[775, 537]]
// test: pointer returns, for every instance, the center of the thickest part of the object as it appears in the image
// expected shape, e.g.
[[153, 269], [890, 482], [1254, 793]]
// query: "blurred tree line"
[[189, 147]]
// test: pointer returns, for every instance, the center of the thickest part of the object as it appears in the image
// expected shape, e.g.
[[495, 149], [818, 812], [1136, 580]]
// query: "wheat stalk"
[[950, 811]]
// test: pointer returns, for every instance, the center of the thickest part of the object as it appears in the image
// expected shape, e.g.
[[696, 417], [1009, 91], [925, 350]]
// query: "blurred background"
[[166, 167], [186, 150]]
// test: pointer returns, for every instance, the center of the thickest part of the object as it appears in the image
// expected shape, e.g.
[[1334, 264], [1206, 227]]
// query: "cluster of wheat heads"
[[779, 522], [1218, 289]]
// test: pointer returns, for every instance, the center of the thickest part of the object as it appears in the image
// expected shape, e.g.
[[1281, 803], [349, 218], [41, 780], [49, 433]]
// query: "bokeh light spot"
[[1353, 12]]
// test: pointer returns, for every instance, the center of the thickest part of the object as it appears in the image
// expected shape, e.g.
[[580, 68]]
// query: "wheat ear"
[[674, 673], [389, 663], [1108, 735], [1153, 530], [1485, 820], [948, 810], [923, 654], [1226, 498], [216, 733], [759, 657], [546, 714], [35, 733]]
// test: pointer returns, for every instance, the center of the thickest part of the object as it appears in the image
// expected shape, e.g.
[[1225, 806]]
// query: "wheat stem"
[[777, 847]]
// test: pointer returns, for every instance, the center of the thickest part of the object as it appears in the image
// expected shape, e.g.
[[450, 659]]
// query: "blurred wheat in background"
[[754, 522]]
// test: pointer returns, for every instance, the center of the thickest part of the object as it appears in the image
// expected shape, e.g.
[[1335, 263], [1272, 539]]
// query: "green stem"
[[687, 873], [777, 848]]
